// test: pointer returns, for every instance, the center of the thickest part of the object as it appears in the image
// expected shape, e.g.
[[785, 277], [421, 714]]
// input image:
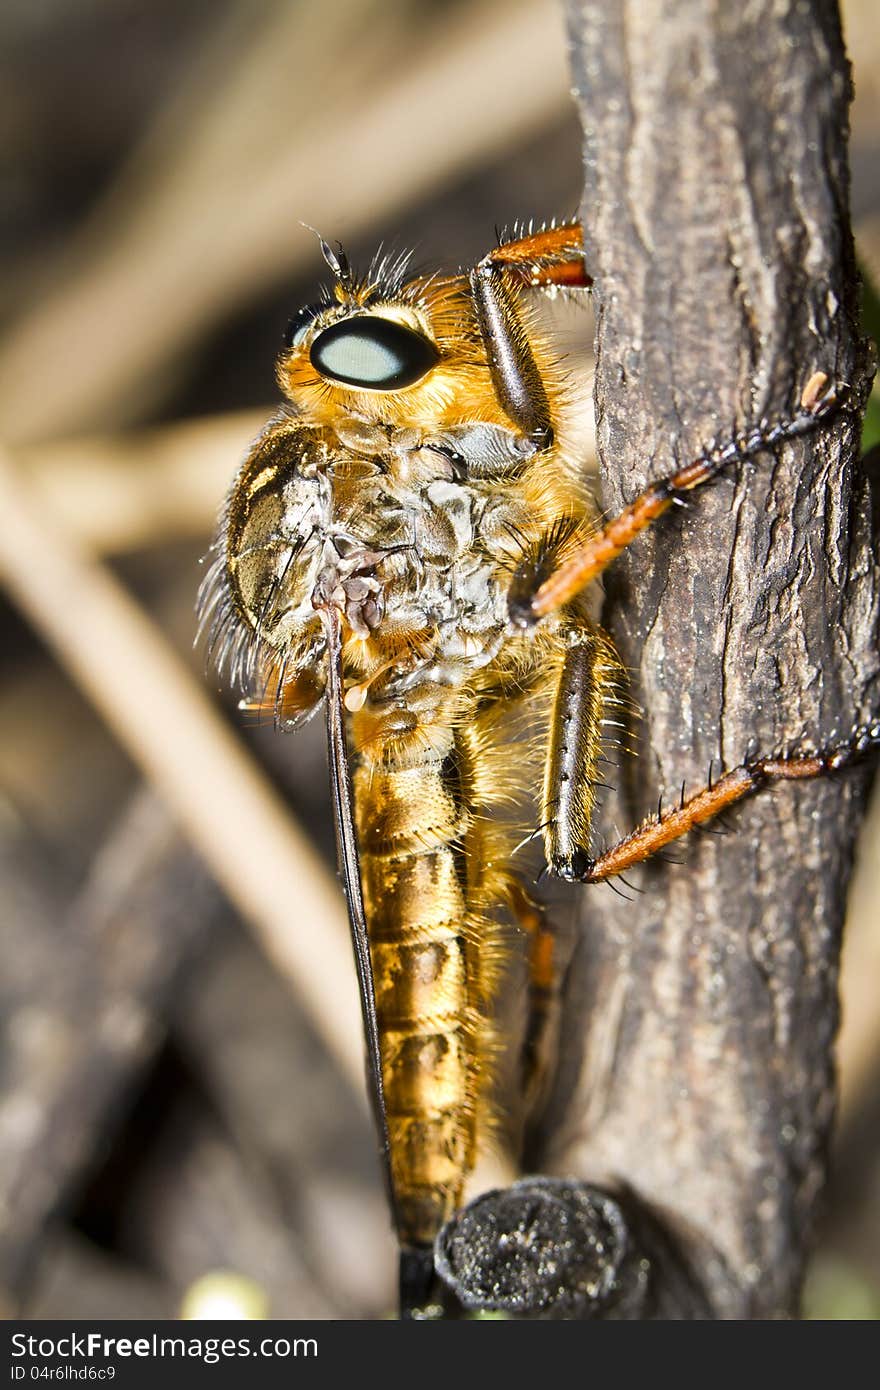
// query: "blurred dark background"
[[182, 1123]]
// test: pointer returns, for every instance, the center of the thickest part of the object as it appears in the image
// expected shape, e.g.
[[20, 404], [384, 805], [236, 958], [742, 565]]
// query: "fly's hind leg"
[[584, 680], [588, 686], [751, 776], [587, 683], [546, 971]]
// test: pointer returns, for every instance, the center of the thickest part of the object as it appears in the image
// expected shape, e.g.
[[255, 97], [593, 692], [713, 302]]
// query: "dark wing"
[[350, 872]]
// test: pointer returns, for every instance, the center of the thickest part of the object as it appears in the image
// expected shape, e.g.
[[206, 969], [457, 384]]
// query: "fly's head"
[[381, 348]]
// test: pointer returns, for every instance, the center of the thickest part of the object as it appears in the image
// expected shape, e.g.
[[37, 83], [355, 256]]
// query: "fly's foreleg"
[[742, 781], [547, 581], [550, 257], [547, 257]]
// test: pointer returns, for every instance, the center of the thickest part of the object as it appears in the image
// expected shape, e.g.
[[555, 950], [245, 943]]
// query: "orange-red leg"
[[551, 256], [534, 595], [545, 980], [749, 777]]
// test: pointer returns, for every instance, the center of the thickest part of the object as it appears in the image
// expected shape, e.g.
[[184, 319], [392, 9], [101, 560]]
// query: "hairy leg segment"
[[547, 258], [751, 776]]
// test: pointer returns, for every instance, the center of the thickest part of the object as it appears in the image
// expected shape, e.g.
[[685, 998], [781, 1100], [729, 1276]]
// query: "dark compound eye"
[[300, 323], [373, 352]]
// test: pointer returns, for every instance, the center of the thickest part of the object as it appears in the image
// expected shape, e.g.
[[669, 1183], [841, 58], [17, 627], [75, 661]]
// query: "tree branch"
[[717, 230]]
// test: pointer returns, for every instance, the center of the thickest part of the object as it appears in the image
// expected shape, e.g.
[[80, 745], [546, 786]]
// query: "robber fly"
[[410, 542]]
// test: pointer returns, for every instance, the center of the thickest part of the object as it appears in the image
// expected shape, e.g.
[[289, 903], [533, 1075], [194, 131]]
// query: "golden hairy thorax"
[[409, 511]]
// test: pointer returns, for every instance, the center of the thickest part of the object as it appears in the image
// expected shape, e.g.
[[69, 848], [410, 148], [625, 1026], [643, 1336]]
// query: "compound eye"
[[300, 324], [372, 352]]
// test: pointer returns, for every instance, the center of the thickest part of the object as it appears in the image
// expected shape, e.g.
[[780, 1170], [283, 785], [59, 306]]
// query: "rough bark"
[[717, 229]]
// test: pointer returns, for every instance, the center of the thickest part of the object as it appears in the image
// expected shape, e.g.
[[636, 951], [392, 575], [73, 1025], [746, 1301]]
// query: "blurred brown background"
[[180, 1077]]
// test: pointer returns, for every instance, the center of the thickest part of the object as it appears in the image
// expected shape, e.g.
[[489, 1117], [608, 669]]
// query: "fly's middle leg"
[[541, 589]]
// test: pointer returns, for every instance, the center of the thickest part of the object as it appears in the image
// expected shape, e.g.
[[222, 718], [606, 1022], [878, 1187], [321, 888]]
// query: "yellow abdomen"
[[413, 821]]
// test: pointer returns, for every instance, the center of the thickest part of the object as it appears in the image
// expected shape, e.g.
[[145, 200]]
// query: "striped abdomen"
[[413, 821]]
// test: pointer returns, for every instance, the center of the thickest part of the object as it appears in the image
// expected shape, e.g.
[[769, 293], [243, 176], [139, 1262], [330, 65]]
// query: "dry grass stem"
[[122, 492], [272, 131], [169, 727]]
